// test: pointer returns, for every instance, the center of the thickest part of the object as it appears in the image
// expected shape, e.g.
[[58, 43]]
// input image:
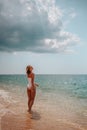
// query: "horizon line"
[[48, 74]]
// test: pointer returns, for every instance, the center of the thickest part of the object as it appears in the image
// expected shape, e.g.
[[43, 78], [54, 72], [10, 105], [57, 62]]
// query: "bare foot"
[[29, 111]]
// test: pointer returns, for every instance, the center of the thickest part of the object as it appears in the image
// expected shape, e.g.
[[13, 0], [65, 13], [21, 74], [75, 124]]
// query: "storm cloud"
[[33, 25]]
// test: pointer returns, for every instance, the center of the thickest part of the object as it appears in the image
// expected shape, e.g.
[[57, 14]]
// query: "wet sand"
[[26, 121], [15, 122], [14, 116], [49, 120]]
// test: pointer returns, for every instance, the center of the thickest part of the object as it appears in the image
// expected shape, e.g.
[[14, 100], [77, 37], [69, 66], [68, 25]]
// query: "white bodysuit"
[[29, 83]]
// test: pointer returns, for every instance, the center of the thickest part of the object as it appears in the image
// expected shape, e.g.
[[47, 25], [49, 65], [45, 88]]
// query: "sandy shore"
[[15, 122], [11, 121], [14, 116]]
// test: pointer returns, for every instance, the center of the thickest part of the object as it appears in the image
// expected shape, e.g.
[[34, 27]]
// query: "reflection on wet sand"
[[16, 122]]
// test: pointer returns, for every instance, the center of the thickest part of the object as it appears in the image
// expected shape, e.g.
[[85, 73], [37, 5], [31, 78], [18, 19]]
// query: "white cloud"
[[34, 26], [73, 15]]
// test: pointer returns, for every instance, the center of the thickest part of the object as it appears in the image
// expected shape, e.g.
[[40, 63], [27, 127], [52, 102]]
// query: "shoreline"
[[14, 115]]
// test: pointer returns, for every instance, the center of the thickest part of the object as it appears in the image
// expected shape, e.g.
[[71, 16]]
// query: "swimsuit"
[[29, 85]]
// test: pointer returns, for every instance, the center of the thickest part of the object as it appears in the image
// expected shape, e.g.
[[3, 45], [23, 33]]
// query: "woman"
[[31, 87]]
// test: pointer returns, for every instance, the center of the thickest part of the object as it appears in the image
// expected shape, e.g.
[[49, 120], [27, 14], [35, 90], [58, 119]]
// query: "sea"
[[60, 102]]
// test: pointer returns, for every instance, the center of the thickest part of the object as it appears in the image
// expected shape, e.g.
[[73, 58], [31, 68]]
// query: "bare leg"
[[29, 98], [33, 93]]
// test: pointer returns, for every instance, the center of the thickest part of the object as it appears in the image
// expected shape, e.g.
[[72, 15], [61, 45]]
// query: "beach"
[[54, 110]]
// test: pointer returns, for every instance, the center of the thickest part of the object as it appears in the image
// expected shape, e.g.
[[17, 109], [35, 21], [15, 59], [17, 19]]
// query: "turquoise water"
[[62, 97], [74, 85]]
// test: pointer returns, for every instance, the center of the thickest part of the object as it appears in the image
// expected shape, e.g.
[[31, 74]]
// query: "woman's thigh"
[[29, 93], [33, 93]]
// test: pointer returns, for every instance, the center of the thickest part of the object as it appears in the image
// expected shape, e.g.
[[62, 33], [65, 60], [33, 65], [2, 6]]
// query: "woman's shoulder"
[[31, 75]]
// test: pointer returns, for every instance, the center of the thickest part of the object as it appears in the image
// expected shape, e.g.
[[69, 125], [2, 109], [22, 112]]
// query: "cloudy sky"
[[47, 34]]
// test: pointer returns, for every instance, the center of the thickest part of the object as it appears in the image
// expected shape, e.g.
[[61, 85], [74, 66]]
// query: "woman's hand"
[[36, 84]]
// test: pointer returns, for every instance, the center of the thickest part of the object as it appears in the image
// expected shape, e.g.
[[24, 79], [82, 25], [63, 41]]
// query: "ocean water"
[[62, 97], [75, 85]]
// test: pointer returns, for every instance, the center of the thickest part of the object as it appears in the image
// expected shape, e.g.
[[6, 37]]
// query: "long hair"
[[28, 70]]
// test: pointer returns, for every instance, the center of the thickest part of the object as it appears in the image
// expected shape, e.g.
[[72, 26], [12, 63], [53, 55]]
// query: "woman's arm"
[[33, 84], [36, 84], [32, 80]]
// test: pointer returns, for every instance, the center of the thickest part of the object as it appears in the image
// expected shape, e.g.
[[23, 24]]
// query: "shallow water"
[[61, 103]]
